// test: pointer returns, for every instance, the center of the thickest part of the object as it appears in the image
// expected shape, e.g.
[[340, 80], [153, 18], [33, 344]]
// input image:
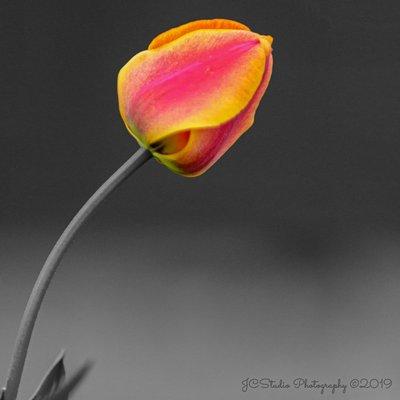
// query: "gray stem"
[[49, 268]]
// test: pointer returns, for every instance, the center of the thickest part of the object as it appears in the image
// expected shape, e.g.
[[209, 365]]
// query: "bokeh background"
[[281, 261]]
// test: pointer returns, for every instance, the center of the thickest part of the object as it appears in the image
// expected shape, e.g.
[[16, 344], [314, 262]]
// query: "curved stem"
[[53, 260]]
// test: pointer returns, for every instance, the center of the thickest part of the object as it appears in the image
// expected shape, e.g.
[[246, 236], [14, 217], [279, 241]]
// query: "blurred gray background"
[[281, 261]]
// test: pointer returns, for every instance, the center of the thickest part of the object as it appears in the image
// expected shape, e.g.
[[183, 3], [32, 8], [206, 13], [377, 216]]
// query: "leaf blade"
[[52, 380], [72, 383]]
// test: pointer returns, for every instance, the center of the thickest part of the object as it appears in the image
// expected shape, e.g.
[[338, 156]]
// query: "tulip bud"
[[195, 91]]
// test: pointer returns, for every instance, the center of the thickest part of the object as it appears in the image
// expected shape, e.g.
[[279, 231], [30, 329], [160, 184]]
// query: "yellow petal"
[[201, 79]]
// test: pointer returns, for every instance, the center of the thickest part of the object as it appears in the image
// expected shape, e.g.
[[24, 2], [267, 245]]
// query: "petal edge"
[[175, 33]]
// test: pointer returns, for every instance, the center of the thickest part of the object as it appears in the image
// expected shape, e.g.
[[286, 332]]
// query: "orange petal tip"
[[177, 32], [269, 38]]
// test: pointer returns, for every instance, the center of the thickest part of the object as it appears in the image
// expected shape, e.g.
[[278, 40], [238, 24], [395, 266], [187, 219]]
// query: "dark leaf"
[[52, 381]]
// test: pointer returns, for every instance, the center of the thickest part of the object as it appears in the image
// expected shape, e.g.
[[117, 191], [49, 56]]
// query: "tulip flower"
[[186, 100], [194, 92]]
